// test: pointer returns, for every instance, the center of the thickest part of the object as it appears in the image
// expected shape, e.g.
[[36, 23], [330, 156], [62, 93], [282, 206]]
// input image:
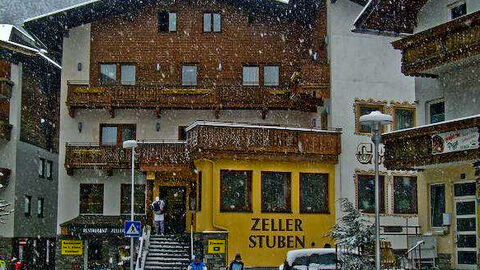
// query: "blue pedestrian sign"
[[132, 228]]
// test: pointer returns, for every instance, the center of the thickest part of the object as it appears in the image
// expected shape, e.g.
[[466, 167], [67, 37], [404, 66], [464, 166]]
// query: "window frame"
[[100, 82], [456, 5], [212, 21], [129, 196], [134, 65], [288, 208], [244, 209], [27, 206], [49, 173], [279, 72], [431, 205], [405, 108], [383, 193], [42, 167], [196, 74], [80, 198], [41, 207], [428, 105], [415, 203], [326, 199], [168, 12], [120, 128], [358, 106], [258, 73]]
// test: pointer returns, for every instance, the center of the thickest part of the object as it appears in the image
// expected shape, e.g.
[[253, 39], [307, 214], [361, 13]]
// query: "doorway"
[[466, 225], [176, 209]]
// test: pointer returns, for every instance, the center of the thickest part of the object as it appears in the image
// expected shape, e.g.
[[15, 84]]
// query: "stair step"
[[164, 268], [165, 263]]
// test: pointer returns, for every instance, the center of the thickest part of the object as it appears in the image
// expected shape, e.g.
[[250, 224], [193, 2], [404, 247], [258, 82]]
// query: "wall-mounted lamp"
[[157, 126], [220, 67], [79, 66], [158, 67], [80, 126]]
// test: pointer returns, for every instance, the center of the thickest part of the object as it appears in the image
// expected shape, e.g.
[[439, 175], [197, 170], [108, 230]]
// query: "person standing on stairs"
[[158, 208]]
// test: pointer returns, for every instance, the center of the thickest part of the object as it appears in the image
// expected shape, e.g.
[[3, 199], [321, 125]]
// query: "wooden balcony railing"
[[93, 155], [5, 131], [215, 97], [5, 88], [441, 45], [445, 142], [214, 139]]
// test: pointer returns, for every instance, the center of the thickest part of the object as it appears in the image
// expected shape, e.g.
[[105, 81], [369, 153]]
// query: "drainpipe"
[[214, 199]]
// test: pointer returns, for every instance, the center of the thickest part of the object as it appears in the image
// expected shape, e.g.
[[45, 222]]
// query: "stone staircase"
[[169, 252]]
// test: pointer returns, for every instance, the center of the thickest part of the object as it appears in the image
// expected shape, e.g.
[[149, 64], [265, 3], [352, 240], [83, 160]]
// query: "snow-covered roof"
[[434, 124], [245, 125], [293, 254]]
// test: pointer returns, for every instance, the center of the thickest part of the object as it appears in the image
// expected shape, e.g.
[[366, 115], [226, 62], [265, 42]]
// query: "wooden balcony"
[[450, 141], [210, 97], [148, 154], [425, 52], [231, 140], [5, 131], [5, 88]]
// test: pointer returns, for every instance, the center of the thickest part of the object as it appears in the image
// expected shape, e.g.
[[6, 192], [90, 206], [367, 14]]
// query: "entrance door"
[[466, 224], [176, 210]]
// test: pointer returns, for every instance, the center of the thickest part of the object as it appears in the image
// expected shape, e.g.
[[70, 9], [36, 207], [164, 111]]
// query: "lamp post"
[[376, 120], [131, 144]]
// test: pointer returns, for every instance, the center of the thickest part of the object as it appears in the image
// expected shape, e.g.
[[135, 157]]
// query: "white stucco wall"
[[8, 153], [364, 67], [436, 12]]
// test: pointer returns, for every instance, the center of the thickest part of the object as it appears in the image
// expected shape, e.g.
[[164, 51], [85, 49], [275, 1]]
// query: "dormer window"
[[458, 9], [211, 22], [167, 21]]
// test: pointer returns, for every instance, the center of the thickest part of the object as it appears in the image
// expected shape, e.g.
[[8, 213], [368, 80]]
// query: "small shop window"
[[116, 134], [271, 75], [139, 197], [364, 109], [91, 198], [27, 206], [405, 195], [167, 21], [189, 75], [276, 192], [366, 193], [437, 204], [211, 22], [108, 74], [40, 207], [404, 118], [314, 193], [127, 74], [235, 191], [251, 75]]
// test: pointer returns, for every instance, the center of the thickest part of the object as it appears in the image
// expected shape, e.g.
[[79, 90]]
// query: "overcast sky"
[[16, 11]]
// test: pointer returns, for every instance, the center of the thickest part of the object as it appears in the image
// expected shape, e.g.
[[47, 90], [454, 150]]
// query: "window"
[[41, 168], [167, 21], [27, 207], [127, 74], [189, 75], [437, 204], [314, 193], [458, 10], [211, 21], [366, 193], [464, 189], [271, 75], [436, 112], [404, 118], [235, 191], [405, 195], [363, 109], [182, 133], [40, 207], [91, 198], [276, 189], [250, 75], [48, 169], [116, 134], [108, 74], [139, 197]]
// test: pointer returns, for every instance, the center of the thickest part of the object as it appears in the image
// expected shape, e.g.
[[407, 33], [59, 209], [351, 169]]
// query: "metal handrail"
[[143, 249]]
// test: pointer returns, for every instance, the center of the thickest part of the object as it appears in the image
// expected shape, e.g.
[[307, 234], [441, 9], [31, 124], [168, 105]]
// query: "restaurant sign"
[[453, 141], [96, 230]]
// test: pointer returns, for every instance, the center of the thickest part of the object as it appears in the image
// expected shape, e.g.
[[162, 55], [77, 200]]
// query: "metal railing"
[[143, 249]]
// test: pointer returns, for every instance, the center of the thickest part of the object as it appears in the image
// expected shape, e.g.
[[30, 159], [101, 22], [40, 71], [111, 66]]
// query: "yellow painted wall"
[[448, 175], [314, 226]]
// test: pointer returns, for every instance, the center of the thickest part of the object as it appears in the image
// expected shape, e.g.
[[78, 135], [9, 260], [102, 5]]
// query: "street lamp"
[[376, 120], [131, 144]]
